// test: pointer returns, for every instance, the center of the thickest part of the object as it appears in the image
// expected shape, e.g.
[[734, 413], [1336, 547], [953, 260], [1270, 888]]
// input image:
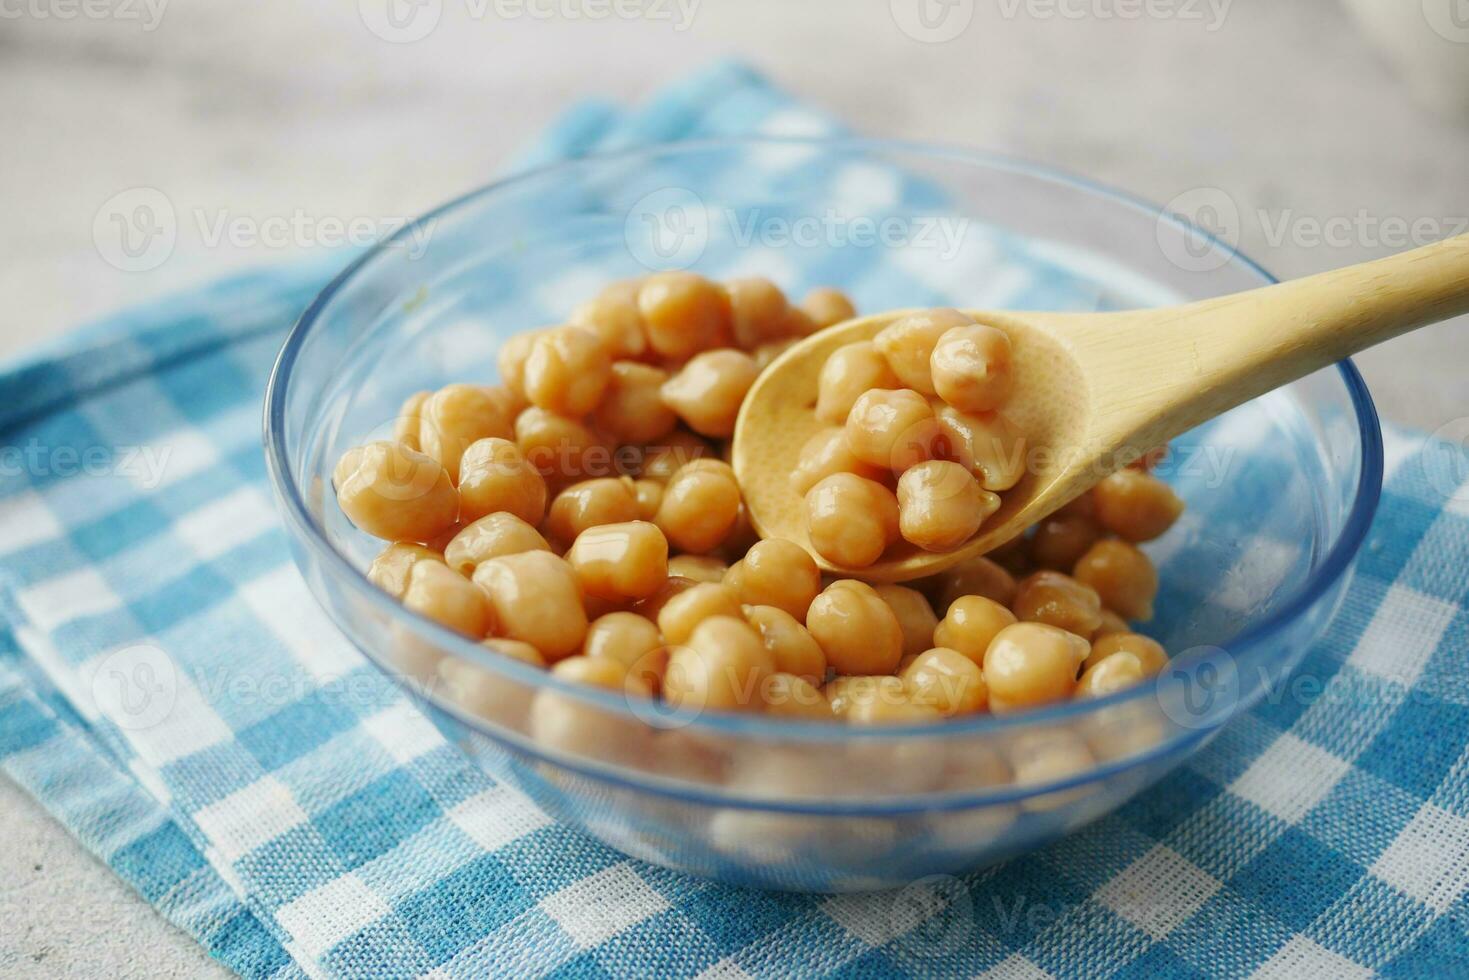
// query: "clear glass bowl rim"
[[1335, 563]]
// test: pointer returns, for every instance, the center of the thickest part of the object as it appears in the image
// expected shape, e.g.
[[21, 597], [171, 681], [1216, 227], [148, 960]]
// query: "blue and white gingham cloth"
[[325, 827]]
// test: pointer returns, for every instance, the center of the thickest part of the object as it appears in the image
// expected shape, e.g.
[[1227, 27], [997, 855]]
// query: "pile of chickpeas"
[[580, 516]]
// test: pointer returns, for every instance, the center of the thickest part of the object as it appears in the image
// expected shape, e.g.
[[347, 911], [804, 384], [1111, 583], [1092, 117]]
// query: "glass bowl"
[[1280, 494]]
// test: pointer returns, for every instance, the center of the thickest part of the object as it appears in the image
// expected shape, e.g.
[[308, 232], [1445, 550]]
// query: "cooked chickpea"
[[620, 561], [560, 449], [495, 476], [537, 599], [759, 311], [792, 647], [990, 446], [651, 607], [1109, 675], [632, 408], [975, 576], [1136, 505], [511, 361], [844, 693], [779, 573], [915, 617], [908, 344], [1149, 652], [633, 642], [571, 725], [1111, 623], [672, 453], [700, 568], [389, 570], [1046, 757], [723, 667], [437, 591], [826, 306], [708, 391], [971, 624], [393, 492], [614, 316], [881, 711], [683, 314], [682, 613], [1061, 539], [1059, 600], [892, 429], [511, 403], [492, 536], [940, 505], [700, 506], [567, 371], [648, 494], [851, 521], [946, 680], [856, 630], [454, 417], [825, 454], [589, 504], [971, 368], [1122, 576], [405, 426], [1031, 664], [848, 373], [486, 693], [791, 696]]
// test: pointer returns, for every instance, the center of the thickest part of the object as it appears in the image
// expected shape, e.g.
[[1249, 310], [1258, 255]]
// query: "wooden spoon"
[[1096, 390]]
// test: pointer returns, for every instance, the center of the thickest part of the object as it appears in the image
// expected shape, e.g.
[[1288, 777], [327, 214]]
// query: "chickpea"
[[971, 625], [844, 693], [700, 506], [633, 642], [946, 680], [1136, 505], [682, 613], [390, 569], [908, 344], [589, 504], [856, 630], [791, 645], [848, 373], [767, 352], [614, 316], [1031, 664], [574, 726], [779, 573], [759, 311], [700, 568], [405, 426], [826, 306], [1047, 757], [1059, 600], [825, 454], [651, 607], [851, 521], [892, 429], [560, 449], [940, 505], [392, 492], [880, 711], [684, 313], [975, 576], [495, 476], [1149, 652], [915, 617], [1122, 576], [1111, 623], [567, 371], [443, 595], [1113, 673], [734, 577], [492, 536], [455, 416], [990, 446], [1061, 539], [708, 391], [676, 450], [632, 408], [485, 693], [620, 561], [511, 361], [537, 599], [790, 696], [648, 494], [971, 368], [511, 404], [723, 667]]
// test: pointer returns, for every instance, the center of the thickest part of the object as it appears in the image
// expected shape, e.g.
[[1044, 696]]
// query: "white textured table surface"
[[294, 109]]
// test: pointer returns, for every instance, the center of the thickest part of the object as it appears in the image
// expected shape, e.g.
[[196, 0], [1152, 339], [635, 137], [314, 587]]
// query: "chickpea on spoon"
[[1092, 390]]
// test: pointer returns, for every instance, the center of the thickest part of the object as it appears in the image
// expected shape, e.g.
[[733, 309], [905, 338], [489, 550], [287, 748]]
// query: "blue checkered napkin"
[[169, 690]]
